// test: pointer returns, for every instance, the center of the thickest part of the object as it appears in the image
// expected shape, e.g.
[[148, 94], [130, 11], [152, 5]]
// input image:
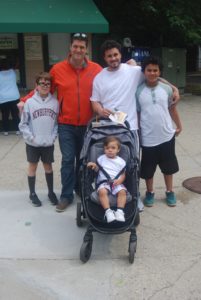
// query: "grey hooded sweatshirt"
[[39, 120]]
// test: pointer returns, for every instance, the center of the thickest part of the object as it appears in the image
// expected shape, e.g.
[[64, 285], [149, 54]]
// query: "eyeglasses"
[[44, 84], [81, 35]]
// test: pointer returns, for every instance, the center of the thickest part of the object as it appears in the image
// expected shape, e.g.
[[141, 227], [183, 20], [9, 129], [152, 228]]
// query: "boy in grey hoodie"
[[39, 128]]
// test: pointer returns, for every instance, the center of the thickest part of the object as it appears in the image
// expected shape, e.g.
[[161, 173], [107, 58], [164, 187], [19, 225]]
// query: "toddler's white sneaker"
[[109, 214], [119, 215]]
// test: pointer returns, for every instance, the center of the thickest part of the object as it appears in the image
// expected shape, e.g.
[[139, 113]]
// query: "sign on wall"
[[33, 47], [8, 43]]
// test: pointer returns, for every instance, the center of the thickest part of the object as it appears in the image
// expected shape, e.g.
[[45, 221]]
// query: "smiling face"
[[111, 149], [43, 87], [151, 73], [113, 58], [78, 50]]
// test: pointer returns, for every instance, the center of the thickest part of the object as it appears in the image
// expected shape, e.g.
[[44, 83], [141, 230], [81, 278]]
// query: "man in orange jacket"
[[72, 79]]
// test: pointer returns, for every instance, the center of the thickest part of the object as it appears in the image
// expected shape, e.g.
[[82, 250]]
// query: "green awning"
[[18, 16]]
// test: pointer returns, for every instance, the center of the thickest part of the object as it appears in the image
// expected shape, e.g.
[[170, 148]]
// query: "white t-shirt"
[[8, 86], [111, 165], [115, 90], [155, 121]]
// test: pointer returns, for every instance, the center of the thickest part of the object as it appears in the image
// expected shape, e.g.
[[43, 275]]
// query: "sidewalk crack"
[[9, 150], [170, 285]]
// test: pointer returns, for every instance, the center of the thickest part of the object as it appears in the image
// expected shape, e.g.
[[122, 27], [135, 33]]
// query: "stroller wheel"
[[132, 250], [79, 214], [137, 219], [85, 251]]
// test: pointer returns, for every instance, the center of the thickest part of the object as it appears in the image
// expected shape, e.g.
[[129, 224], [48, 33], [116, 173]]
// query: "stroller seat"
[[112, 198]]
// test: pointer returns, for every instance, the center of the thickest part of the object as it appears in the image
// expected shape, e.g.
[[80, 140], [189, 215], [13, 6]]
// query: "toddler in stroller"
[[94, 204], [111, 175]]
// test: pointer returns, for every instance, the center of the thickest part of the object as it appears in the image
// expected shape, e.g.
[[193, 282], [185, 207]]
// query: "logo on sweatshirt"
[[44, 112]]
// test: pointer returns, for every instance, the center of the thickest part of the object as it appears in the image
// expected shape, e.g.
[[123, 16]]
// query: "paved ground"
[[39, 248], [193, 83]]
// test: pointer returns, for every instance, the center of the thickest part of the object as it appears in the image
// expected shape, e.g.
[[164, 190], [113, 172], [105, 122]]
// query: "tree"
[[172, 23]]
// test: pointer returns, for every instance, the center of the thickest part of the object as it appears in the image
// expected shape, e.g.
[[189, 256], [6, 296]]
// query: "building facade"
[[33, 52], [36, 34]]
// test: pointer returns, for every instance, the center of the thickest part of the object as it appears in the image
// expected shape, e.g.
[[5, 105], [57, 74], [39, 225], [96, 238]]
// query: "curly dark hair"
[[152, 60], [109, 44]]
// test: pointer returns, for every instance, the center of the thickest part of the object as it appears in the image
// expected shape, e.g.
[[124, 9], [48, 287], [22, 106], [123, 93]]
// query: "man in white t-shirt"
[[115, 90], [115, 86]]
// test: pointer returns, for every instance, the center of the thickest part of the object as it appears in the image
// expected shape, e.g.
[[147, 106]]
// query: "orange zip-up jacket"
[[74, 89]]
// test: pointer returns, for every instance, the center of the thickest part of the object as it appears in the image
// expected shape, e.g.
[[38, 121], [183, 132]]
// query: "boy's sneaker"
[[17, 132], [171, 199], [119, 215], [53, 198], [5, 133], [35, 201], [149, 199], [109, 214]]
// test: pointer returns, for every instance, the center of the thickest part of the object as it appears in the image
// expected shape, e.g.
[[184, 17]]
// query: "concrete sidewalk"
[[39, 250]]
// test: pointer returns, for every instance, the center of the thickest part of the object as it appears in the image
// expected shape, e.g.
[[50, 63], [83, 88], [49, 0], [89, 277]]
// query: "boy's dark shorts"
[[34, 154], [162, 155]]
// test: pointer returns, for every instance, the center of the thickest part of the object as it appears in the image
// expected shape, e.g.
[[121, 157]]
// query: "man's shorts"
[[115, 189], [162, 155], [34, 154]]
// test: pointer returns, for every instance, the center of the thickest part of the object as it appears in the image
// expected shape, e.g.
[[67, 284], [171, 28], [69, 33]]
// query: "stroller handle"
[[98, 119]]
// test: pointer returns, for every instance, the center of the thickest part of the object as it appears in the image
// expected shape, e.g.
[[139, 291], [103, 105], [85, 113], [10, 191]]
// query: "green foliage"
[[154, 22]]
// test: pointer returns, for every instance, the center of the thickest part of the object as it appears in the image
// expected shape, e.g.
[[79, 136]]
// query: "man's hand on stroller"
[[100, 110], [105, 113], [93, 166]]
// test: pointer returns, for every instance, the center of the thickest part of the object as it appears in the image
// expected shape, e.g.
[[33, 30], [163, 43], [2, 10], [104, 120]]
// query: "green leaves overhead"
[[155, 22]]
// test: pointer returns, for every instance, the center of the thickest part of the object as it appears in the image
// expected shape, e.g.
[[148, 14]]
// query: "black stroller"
[[89, 207]]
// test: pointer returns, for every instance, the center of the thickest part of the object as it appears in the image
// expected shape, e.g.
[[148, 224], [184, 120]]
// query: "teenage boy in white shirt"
[[156, 112]]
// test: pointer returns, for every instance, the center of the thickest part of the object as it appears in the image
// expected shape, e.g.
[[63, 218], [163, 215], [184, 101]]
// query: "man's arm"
[[20, 105], [175, 117], [176, 95], [131, 62], [99, 110]]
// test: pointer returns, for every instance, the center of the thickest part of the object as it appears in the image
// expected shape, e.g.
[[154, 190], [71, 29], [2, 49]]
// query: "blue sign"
[[139, 54]]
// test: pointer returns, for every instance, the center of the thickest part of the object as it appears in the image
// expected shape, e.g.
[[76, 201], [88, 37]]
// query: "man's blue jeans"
[[70, 140]]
